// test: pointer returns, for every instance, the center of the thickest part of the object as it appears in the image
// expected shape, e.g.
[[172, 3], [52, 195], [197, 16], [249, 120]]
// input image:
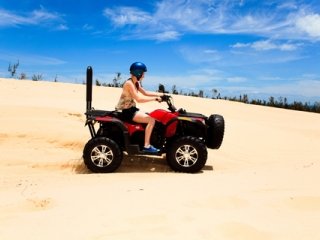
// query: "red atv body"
[[182, 136]]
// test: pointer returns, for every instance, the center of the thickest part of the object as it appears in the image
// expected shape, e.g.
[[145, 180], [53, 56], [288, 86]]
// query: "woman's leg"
[[141, 117]]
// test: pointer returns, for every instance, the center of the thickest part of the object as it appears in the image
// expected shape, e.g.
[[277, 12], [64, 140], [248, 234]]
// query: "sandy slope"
[[262, 184]]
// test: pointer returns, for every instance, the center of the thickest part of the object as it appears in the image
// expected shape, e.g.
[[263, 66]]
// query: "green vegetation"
[[37, 77], [116, 82], [280, 102], [13, 68]]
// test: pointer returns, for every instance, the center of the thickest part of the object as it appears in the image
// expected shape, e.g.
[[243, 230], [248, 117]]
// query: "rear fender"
[[114, 129]]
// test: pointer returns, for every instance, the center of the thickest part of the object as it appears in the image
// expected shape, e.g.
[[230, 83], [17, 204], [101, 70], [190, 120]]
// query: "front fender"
[[168, 119], [162, 116]]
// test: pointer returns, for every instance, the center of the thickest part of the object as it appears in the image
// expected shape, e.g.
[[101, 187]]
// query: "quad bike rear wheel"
[[102, 155], [187, 154]]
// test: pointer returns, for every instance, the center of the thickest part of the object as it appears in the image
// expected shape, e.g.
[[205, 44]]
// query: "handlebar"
[[168, 100], [165, 98]]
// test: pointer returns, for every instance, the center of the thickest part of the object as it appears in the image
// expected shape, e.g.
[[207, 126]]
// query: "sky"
[[260, 48]]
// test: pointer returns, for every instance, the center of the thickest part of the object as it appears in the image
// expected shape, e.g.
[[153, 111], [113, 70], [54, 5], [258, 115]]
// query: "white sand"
[[263, 183]]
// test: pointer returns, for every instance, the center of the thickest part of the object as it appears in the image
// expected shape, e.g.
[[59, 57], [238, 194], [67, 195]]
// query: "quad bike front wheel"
[[187, 154], [102, 155]]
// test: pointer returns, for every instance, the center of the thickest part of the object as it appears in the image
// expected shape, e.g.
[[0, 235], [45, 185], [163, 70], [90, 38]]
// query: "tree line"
[[280, 102], [12, 69]]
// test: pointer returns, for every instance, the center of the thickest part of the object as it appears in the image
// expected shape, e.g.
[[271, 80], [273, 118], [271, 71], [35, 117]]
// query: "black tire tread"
[[114, 147], [217, 128], [202, 151]]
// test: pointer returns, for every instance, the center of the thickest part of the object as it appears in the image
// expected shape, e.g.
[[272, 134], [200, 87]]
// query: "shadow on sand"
[[138, 164]]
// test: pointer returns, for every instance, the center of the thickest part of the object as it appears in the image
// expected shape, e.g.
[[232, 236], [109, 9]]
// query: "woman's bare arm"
[[131, 88]]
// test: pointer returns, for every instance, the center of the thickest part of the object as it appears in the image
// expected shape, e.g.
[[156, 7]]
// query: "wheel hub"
[[186, 155], [101, 156]]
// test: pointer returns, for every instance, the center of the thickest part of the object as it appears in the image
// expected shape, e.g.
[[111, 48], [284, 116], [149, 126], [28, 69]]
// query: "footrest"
[[135, 150]]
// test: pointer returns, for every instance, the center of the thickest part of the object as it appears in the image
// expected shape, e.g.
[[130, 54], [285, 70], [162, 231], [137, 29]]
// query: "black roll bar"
[[89, 87]]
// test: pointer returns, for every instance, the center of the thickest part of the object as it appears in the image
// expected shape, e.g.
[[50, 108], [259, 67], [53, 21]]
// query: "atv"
[[183, 137]]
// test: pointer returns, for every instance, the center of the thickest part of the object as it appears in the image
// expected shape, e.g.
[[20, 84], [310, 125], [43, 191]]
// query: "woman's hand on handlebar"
[[165, 97]]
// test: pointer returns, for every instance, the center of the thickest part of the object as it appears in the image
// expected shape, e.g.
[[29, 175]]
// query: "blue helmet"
[[137, 69]]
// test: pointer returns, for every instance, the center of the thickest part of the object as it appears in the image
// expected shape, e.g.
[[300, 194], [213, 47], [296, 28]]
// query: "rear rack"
[[98, 113]]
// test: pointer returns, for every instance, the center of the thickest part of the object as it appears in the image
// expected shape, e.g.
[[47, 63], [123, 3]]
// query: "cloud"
[[122, 16], [237, 79], [288, 20], [200, 54], [204, 78], [36, 17], [309, 24], [42, 15], [30, 59], [62, 27], [233, 86], [87, 27], [308, 88], [243, 54], [266, 45], [9, 19], [208, 79], [166, 35], [145, 25], [290, 5]]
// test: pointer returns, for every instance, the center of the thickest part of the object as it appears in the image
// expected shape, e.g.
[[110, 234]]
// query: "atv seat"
[[102, 113]]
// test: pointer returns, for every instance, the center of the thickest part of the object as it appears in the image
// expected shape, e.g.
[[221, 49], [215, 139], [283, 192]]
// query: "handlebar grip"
[[165, 98]]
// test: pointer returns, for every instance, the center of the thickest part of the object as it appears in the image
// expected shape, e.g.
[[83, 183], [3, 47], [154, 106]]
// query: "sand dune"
[[261, 184]]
